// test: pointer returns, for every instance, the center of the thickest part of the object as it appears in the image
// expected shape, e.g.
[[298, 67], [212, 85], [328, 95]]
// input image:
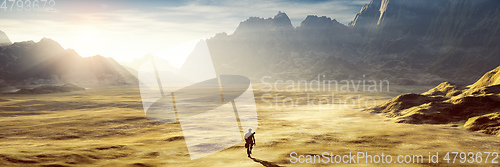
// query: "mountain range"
[[46, 62], [405, 42]]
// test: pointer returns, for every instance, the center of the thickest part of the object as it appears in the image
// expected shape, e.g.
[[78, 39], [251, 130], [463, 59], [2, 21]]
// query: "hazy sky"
[[125, 29]]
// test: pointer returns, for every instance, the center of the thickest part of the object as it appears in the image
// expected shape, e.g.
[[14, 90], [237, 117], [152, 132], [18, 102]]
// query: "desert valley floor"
[[107, 127]]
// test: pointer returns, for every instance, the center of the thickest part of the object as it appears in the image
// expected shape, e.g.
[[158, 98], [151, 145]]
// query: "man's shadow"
[[265, 163]]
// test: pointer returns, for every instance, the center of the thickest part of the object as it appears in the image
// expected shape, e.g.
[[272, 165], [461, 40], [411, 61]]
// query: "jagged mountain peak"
[[366, 14], [282, 22], [323, 21], [381, 12], [315, 17], [279, 22], [282, 19]]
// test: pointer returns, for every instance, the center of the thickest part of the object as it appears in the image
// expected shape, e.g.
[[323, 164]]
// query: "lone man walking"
[[249, 141]]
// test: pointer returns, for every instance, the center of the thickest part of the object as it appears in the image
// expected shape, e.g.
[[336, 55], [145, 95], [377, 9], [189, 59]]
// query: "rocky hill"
[[478, 105]]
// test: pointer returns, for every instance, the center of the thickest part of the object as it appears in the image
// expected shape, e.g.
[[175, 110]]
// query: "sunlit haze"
[[126, 29]]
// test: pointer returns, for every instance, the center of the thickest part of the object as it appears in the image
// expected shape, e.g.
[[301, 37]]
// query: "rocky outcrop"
[[490, 78], [489, 123], [403, 102], [477, 104], [444, 89]]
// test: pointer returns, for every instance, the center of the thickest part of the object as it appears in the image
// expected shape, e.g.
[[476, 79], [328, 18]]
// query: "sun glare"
[[87, 43], [177, 55]]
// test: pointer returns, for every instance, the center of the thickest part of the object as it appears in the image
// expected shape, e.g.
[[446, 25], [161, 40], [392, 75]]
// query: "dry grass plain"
[[107, 127]]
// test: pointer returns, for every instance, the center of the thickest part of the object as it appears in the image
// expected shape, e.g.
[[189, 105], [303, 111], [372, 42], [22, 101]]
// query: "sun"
[[88, 42]]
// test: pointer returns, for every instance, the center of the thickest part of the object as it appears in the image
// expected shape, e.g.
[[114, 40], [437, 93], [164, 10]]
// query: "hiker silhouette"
[[249, 141]]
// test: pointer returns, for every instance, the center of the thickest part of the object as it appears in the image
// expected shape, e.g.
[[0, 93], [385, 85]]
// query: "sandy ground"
[[107, 127]]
